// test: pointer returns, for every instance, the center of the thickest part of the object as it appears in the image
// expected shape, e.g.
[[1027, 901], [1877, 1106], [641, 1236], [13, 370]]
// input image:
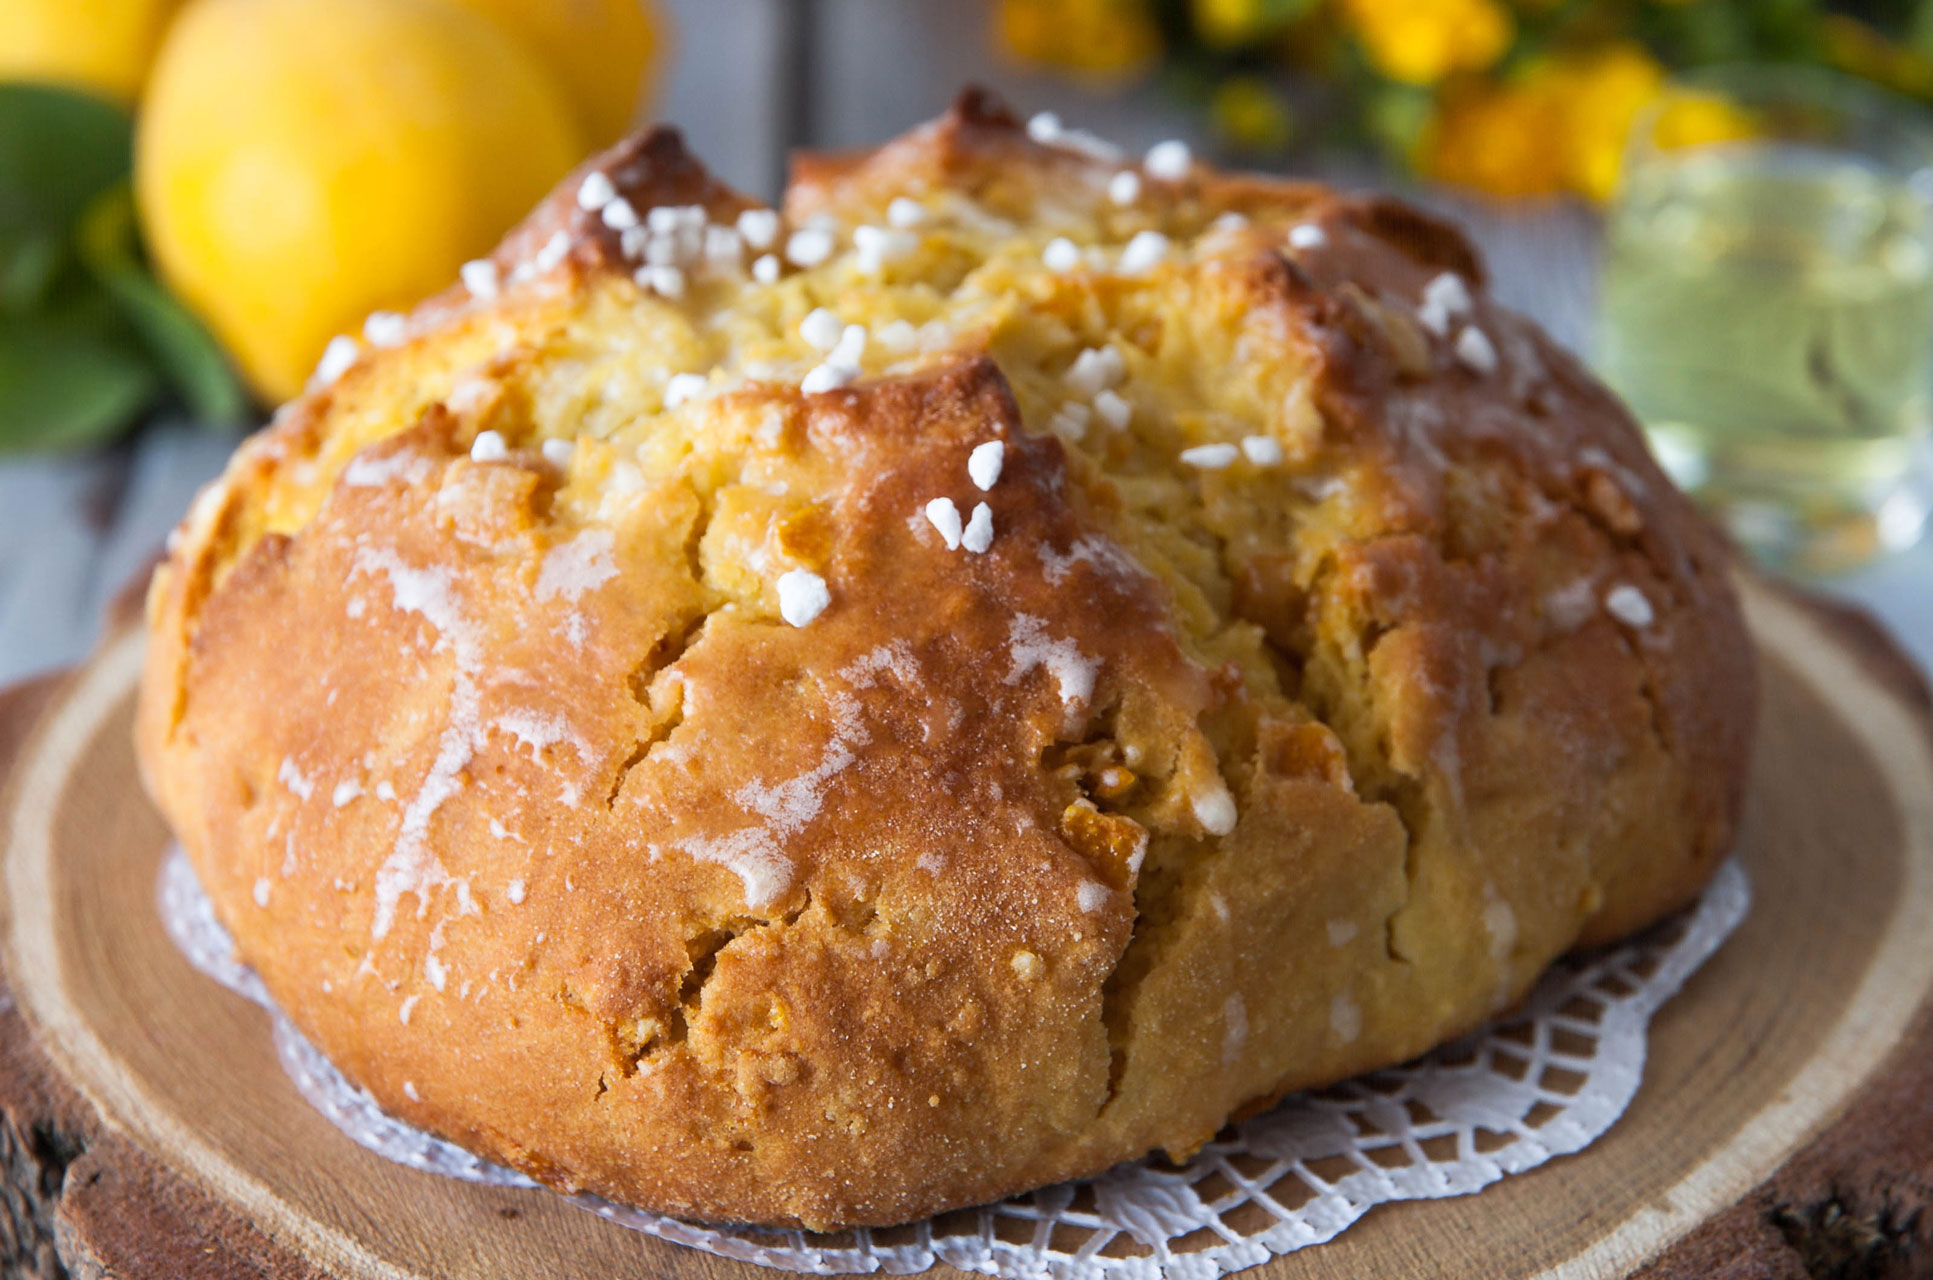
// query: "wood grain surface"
[[1784, 1127]]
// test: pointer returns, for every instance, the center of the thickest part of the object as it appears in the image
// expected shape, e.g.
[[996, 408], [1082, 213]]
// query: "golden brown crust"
[[534, 814]]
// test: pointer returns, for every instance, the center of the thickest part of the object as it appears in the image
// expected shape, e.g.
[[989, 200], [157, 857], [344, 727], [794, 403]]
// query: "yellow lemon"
[[602, 52], [102, 45], [300, 163]]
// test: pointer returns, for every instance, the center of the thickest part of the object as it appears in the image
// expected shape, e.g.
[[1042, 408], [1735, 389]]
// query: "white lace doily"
[[1546, 1082]]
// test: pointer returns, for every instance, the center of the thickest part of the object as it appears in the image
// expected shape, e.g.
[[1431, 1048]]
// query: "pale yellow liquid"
[[1768, 314]]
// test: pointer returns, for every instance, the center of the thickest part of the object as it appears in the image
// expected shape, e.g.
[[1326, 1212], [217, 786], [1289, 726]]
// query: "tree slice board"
[[1784, 1127]]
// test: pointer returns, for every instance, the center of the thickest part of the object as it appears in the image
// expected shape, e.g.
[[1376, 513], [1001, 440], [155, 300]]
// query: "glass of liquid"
[[1767, 307]]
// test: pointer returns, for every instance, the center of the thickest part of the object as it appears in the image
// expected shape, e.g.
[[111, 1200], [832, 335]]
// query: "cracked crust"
[[510, 781]]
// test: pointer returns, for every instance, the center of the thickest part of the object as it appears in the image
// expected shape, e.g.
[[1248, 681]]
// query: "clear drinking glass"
[[1767, 306]]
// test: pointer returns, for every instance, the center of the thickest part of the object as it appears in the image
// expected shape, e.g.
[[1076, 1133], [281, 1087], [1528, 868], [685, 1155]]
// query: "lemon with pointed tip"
[[301, 163]]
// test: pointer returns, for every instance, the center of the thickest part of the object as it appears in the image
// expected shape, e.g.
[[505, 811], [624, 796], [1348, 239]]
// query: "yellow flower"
[[1501, 139], [1425, 41], [1106, 39], [1250, 115], [1600, 93], [1559, 125], [1687, 118]]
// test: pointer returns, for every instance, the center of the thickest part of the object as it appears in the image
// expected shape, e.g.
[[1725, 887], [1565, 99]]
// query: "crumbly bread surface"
[[611, 748]]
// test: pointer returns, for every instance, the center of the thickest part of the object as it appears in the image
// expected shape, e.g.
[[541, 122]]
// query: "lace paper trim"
[[1545, 1082]]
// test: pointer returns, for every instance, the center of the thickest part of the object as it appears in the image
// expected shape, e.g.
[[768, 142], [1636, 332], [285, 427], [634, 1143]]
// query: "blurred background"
[[1721, 204]]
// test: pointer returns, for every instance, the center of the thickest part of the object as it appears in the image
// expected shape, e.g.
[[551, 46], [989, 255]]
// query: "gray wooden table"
[[751, 79]]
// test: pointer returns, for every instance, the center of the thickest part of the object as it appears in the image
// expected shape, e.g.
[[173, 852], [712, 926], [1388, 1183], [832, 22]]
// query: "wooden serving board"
[[1784, 1127]]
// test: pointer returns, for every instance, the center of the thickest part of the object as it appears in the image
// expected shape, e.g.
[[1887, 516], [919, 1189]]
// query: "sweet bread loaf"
[[819, 717]]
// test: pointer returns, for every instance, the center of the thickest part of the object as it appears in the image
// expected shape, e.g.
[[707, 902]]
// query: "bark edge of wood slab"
[[1785, 1127]]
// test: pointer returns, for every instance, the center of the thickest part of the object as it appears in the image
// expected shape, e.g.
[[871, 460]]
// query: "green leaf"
[[59, 149], [192, 361], [30, 262], [1280, 13], [1395, 117], [69, 379]]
